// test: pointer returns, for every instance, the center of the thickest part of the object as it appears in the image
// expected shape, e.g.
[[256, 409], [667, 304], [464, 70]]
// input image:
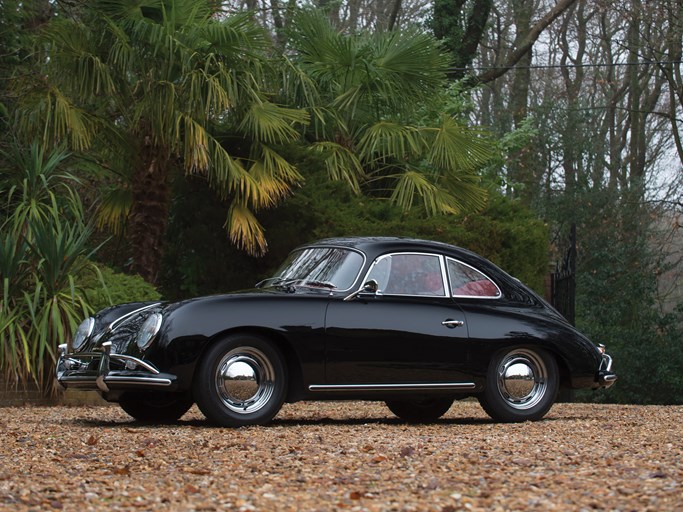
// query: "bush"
[[201, 260], [118, 288]]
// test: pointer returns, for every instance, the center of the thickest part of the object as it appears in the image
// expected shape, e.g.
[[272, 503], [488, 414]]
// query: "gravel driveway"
[[344, 456]]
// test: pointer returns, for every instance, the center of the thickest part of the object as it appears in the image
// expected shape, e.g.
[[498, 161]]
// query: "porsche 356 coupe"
[[413, 323]]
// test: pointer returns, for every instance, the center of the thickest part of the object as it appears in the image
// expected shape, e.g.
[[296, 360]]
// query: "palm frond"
[[413, 185], [298, 85], [113, 209], [455, 147], [209, 93], [386, 139], [342, 164], [408, 62], [72, 54], [236, 37], [245, 230], [272, 123]]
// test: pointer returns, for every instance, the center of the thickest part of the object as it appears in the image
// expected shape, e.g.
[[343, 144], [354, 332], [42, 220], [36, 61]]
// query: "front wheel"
[[424, 410], [521, 385], [241, 380], [156, 407]]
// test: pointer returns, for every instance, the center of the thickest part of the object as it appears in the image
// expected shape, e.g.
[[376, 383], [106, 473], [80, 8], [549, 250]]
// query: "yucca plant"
[[43, 251]]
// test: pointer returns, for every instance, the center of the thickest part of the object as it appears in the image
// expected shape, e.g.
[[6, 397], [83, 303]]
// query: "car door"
[[411, 332]]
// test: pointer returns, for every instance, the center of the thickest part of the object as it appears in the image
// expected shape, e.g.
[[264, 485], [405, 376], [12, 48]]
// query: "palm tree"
[[376, 103], [144, 82]]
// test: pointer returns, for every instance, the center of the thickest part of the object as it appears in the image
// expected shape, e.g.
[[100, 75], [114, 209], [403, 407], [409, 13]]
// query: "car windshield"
[[325, 267]]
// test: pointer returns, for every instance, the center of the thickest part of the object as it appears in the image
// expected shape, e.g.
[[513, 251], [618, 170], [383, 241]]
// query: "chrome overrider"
[[606, 377]]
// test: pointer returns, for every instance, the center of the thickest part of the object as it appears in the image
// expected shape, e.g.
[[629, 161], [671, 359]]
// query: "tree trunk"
[[395, 9], [149, 213], [461, 25], [523, 161]]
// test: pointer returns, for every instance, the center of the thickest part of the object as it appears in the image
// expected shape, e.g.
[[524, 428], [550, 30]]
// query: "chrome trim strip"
[[446, 294], [122, 379], [78, 359], [138, 362], [435, 386], [500, 292], [118, 379], [333, 246], [113, 325]]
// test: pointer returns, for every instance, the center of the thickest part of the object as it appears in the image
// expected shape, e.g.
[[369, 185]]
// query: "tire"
[[521, 385], [420, 410], [241, 380], [156, 407]]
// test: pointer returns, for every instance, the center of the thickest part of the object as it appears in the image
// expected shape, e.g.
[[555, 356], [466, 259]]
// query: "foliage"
[[376, 108], [143, 85], [460, 24], [118, 288], [200, 262], [616, 306], [43, 250]]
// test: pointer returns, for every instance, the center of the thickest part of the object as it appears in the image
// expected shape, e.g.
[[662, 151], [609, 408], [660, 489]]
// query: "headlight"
[[82, 333], [149, 329]]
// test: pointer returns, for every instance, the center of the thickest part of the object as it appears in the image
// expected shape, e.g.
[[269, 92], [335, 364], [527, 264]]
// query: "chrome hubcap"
[[245, 380], [522, 379]]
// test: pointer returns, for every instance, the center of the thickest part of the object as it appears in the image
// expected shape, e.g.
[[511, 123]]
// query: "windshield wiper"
[[288, 284], [272, 281], [322, 284]]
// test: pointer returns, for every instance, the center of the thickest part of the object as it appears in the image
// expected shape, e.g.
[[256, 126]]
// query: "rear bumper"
[[104, 372], [605, 377]]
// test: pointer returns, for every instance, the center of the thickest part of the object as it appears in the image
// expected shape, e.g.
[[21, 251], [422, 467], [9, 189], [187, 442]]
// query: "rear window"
[[466, 281]]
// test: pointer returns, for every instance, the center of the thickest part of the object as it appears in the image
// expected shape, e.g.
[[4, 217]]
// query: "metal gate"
[[563, 293], [563, 281]]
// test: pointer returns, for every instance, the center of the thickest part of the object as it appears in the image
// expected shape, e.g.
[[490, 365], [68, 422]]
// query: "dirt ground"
[[344, 456]]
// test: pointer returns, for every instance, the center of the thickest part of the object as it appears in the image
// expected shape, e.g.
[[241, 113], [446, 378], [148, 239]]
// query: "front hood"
[[250, 294]]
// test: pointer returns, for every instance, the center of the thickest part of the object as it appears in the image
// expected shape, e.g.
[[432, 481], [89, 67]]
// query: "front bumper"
[[105, 371]]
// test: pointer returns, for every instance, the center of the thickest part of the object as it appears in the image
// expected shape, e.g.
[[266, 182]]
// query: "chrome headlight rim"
[[148, 331], [82, 334]]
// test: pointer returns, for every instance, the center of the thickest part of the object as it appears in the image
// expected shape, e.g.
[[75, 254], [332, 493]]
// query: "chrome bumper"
[[92, 370], [606, 377]]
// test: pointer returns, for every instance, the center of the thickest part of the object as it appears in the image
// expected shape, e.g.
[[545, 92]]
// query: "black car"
[[414, 323]]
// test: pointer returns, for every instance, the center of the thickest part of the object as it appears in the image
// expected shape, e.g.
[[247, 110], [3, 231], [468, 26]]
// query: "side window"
[[409, 274], [469, 282]]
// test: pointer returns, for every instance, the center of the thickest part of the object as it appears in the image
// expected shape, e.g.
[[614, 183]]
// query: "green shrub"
[[201, 260], [118, 288]]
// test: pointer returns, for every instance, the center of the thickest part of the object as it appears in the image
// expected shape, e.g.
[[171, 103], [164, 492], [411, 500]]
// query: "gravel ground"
[[338, 456]]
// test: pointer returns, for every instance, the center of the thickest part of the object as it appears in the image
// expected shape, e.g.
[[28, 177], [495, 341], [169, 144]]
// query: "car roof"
[[376, 244]]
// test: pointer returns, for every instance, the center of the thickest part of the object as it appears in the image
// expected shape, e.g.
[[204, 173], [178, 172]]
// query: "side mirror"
[[372, 286]]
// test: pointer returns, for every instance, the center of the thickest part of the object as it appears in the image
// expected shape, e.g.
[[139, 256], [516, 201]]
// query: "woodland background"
[[169, 148]]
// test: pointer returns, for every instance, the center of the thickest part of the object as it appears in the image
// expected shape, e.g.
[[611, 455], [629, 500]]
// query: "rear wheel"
[[521, 385], [156, 407], [420, 410], [241, 380]]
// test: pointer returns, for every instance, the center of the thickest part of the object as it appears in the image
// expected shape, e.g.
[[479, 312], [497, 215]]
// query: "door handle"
[[451, 324]]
